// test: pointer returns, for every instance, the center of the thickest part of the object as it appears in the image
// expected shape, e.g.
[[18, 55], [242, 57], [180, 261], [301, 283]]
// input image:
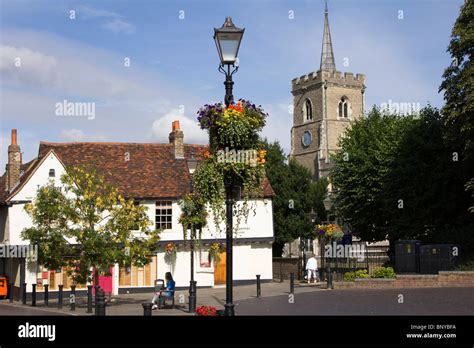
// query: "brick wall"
[[443, 279]]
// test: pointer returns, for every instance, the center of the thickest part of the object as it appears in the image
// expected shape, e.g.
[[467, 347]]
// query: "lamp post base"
[[229, 310], [192, 296]]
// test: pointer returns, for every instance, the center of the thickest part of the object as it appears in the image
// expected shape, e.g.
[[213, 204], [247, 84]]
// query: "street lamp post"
[[192, 165], [227, 39], [328, 204]]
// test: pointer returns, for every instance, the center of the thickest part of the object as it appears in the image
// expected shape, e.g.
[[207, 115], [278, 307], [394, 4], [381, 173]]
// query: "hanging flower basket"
[[329, 232], [171, 251], [234, 154], [214, 252]]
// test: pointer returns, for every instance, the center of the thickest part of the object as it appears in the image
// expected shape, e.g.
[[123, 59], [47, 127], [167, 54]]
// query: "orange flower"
[[237, 108], [207, 154]]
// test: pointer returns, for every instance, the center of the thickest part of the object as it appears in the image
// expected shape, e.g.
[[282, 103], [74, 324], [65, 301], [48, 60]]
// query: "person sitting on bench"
[[170, 284]]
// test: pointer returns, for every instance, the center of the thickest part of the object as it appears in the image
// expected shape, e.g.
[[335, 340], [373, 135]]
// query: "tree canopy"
[[296, 194], [397, 177], [87, 226]]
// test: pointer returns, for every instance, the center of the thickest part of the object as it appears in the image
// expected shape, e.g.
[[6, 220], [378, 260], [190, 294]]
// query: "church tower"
[[325, 102]]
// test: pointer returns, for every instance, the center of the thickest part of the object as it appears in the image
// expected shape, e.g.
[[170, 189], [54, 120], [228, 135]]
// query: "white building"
[[156, 175]]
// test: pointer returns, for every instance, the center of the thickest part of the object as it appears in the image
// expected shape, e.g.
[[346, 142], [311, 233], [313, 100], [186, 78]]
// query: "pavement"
[[131, 304], [308, 299]]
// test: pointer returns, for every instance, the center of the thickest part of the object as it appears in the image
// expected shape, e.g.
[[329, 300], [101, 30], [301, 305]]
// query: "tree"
[[88, 226], [367, 151], [295, 195], [458, 87], [396, 179]]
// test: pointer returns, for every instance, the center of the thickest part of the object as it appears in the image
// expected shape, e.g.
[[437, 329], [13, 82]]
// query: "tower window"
[[343, 107], [307, 110], [52, 173]]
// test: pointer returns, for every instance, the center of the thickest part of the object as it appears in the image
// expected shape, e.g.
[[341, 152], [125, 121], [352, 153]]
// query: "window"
[[164, 215], [343, 107], [52, 173], [307, 110], [204, 259]]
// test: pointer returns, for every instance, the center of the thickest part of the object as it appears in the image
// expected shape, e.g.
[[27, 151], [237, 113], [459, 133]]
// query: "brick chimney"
[[176, 138], [14, 163]]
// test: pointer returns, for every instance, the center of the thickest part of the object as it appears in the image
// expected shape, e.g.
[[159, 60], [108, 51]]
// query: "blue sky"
[[174, 61]]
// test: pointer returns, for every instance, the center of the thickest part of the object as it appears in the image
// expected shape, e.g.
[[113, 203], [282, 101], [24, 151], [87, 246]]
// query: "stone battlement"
[[334, 77]]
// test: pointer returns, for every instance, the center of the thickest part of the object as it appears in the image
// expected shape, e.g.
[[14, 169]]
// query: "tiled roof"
[[25, 171], [138, 170]]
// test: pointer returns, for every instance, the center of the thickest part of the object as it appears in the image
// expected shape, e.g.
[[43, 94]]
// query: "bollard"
[[292, 283], [46, 295], [101, 303], [11, 291], [24, 293], [96, 298], [72, 298], [147, 309], [259, 289], [329, 277], [89, 298], [33, 296], [60, 296], [192, 296]]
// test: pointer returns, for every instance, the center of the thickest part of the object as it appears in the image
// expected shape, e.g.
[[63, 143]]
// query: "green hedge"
[[381, 272], [384, 272], [351, 276]]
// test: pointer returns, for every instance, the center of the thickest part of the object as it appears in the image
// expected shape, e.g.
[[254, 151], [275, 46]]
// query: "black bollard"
[[60, 296], [259, 289], [100, 303], [147, 309], [192, 296], [89, 298], [329, 277], [96, 298], [72, 298], [11, 291], [46, 295], [33, 296], [292, 283], [24, 293]]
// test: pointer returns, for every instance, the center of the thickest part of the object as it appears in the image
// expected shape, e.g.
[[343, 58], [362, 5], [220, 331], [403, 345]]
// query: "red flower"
[[206, 311]]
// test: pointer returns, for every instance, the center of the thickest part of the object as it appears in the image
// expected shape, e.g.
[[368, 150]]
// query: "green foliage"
[[384, 272], [235, 129], [466, 266], [193, 216], [351, 276], [458, 87], [91, 222], [296, 194], [396, 179]]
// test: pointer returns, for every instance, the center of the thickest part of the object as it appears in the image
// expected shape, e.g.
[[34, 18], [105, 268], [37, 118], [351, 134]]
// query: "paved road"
[[8, 309], [428, 301]]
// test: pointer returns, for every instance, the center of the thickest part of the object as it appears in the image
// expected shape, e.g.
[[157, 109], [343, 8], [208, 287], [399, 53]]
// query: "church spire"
[[327, 54]]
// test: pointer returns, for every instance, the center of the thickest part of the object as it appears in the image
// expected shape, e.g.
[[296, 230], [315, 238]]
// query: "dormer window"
[[307, 111], [343, 108], [52, 173]]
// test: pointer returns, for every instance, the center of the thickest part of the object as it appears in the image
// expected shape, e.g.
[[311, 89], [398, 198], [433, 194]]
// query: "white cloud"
[[24, 66], [192, 133], [119, 26], [114, 22], [78, 135]]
